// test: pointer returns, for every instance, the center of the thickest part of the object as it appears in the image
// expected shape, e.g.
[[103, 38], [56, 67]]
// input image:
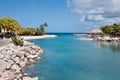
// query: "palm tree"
[[45, 24], [42, 30]]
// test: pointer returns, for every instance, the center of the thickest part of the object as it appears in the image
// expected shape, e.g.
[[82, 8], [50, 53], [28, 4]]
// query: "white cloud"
[[104, 11], [94, 18], [82, 19]]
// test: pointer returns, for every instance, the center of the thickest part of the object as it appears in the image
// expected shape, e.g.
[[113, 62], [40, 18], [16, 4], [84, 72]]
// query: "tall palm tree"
[[42, 30], [45, 24]]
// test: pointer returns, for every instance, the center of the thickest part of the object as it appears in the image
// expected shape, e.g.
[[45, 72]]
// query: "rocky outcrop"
[[14, 58]]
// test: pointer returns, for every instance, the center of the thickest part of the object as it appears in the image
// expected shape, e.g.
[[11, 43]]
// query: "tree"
[[42, 30], [9, 25], [45, 24], [111, 29], [107, 29]]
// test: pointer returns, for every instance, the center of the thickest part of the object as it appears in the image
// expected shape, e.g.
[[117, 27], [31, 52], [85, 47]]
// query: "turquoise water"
[[69, 58]]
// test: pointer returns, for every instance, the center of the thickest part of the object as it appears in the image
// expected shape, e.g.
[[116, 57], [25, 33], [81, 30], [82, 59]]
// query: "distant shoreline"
[[37, 37]]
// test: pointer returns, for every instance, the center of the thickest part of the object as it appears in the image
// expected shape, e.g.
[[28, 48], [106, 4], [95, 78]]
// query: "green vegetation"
[[11, 26], [33, 31], [111, 29], [17, 42], [42, 31]]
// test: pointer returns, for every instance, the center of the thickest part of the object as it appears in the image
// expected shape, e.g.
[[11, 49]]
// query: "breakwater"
[[14, 58]]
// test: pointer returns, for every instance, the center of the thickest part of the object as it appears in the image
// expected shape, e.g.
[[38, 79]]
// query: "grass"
[[17, 42]]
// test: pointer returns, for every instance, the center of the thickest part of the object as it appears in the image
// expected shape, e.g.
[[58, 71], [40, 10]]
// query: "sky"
[[62, 15]]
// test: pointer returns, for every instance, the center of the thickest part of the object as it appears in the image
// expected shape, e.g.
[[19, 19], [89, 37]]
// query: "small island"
[[106, 33]]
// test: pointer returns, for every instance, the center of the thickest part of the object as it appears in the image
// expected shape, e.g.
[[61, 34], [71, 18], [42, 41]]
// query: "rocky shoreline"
[[14, 58]]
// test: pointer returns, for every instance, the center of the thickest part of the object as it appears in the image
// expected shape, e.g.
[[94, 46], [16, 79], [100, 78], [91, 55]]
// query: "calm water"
[[69, 58]]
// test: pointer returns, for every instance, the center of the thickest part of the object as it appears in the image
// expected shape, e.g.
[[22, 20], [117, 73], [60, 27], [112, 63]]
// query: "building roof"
[[96, 31]]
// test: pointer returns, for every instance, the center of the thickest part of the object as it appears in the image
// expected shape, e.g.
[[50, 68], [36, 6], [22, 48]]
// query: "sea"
[[69, 57]]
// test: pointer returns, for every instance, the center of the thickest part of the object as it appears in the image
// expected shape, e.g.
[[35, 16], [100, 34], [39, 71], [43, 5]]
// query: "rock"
[[3, 65], [10, 62], [17, 60], [18, 70], [8, 75], [3, 51], [1, 56], [31, 61], [15, 67], [20, 54], [25, 60], [25, 74], [1, 78], [27, 54], [32, 56], [22, 64], [1, 71], [8, 65], [19, 76], [38, 58], [40, 51], [14, 58], [28, 78]]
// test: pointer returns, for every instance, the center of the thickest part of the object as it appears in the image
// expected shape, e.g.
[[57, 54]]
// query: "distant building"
[[2, 30], [96, 31]]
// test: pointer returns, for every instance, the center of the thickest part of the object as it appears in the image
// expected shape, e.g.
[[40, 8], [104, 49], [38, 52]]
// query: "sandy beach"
[[38, 37]]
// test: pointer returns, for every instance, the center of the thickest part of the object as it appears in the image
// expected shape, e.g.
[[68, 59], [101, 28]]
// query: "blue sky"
[[61, 15]]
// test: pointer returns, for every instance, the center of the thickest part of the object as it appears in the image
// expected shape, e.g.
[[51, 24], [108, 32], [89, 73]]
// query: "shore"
[[14, 58], [38, 37]]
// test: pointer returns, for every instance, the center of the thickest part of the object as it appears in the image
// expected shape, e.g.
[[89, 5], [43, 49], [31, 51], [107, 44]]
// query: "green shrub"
[[17, 42]]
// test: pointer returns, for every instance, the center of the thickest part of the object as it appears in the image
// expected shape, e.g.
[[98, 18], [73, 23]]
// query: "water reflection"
[[114, 46]]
